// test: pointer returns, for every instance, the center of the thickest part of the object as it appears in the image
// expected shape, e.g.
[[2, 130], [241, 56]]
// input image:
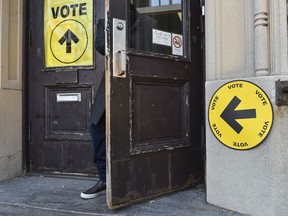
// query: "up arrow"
[[69, 36], [229, 115]]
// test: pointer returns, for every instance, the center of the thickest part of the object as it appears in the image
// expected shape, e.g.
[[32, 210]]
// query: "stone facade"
[[247, 40], [10, 89]]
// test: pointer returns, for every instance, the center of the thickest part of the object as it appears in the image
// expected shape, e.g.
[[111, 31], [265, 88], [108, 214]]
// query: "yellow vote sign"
[[240, 115], [68, 33]]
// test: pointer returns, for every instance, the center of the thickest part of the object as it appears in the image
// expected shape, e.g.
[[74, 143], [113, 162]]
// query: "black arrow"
[[68, 37], [230, 114]]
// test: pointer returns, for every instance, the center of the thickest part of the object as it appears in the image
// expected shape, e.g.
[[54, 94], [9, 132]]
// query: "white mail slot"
[[69, 97]]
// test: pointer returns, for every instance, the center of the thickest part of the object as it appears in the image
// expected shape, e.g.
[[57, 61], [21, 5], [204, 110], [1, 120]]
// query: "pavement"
[[60, 196]]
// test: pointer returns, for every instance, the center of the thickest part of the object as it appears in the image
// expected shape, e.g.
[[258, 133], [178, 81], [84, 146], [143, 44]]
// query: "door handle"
[[122, 62], [119, 48]]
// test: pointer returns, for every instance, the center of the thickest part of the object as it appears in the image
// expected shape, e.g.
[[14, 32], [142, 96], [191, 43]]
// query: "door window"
[[157, 26]]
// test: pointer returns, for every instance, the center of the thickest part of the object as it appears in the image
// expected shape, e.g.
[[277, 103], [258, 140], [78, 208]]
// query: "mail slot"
[[68, 97]]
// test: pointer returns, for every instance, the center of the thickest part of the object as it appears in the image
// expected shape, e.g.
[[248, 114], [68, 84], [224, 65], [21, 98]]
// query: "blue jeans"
[[98, 135]]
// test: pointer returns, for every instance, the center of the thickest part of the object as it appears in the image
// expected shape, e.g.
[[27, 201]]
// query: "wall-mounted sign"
[[240, 115], [68, 33]]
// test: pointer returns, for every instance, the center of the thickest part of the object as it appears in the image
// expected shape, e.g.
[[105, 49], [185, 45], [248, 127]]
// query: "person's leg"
[[98, 135]]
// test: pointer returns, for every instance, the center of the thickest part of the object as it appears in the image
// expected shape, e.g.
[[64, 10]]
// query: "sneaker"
[[96, 190]]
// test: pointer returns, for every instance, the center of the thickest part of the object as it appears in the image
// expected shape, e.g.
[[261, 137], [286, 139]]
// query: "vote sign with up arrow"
[[68, 37], [240, 115], [68, 33]]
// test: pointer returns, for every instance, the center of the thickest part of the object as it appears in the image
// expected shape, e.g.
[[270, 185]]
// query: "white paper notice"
[[177, 44], [161, 37]]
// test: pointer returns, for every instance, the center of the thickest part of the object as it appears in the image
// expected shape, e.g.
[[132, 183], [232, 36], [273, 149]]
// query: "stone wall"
[[10, 89], [247, 40]]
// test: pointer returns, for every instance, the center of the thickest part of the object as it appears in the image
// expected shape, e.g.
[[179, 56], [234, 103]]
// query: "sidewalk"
[[60, 196]]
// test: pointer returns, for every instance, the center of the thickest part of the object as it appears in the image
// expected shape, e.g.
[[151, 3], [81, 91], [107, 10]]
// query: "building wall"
[[10, 89], [229, 43], [247, 40]]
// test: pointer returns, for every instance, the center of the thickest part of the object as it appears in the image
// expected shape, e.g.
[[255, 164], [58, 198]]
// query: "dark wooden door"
[[154, 86], [62, 88]]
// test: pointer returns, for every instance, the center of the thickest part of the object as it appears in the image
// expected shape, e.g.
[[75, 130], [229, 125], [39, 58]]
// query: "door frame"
[[25, 88]]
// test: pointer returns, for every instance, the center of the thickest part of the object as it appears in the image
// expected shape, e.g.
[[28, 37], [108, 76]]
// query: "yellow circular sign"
[[69, 40], [240, 115]]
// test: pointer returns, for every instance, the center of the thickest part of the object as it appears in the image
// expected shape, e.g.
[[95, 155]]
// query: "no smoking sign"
[[177, 44], [240, 115]]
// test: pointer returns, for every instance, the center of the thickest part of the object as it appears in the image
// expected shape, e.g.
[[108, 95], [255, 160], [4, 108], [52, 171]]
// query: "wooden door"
[[62, 84], [155, 84]]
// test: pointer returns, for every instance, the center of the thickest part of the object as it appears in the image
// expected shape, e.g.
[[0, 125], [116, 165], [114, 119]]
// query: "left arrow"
[[69, 36], [229, 115]]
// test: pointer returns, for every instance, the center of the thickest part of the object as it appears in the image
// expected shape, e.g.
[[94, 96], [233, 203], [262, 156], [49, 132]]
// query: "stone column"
[[261, 37]]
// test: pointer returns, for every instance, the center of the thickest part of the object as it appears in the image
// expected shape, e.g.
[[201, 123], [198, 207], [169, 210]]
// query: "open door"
[[154, 87]]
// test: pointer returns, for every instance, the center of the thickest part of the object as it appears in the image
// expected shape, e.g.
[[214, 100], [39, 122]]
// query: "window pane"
[[157, 28], [154, 2], [164, 2], [176, 1]]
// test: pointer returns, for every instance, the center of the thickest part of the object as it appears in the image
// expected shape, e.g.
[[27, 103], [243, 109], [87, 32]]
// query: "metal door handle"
[[119, 48], [122, 62]]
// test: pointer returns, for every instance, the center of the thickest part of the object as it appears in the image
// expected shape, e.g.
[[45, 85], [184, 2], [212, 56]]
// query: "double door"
[[154, 92]]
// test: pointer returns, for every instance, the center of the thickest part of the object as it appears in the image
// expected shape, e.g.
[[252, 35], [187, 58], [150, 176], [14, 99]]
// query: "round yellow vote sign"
[[240, 115]]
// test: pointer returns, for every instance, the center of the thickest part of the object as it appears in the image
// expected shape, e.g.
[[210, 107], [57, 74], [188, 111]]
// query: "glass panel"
[[176, 1], [154, 2], [157, 26], [164, 2]]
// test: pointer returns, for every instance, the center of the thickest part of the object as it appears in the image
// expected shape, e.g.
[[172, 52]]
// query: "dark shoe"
[[96, 190]]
